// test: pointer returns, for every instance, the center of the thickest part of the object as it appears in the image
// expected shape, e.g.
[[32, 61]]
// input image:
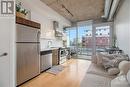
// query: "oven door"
[[62, 56]]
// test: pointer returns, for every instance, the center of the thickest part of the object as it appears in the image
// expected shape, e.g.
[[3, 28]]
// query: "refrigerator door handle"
[[38, 45], [4, 54], [38, 36], [38, 49]]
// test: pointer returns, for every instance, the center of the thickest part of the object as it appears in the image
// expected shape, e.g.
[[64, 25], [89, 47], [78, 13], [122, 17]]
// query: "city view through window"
[[80, 39]]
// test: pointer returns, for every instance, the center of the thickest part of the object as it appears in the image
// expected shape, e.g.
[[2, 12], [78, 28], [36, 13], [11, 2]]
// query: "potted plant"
[[21, 12]]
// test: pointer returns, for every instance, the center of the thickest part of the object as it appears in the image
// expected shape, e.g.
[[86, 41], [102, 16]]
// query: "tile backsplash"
[[55, 43]]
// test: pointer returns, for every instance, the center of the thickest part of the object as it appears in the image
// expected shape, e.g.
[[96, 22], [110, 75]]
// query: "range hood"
[[58, 32]]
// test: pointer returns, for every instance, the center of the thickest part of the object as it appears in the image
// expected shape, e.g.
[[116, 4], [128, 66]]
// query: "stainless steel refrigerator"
[[28, 53]]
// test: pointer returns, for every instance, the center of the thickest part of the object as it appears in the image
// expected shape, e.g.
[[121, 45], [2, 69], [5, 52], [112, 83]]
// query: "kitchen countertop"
[[47, 49]]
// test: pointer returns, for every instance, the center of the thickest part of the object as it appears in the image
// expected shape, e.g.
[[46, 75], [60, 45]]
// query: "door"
[[89, 38], [84, 42], [6, 25], [72, 39], [102, 37], [28, 53], [27, 34], [28, 61], [79, 40]]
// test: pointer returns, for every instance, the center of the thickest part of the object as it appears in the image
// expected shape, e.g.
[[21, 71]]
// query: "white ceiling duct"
[[113, 9], [107, 8]]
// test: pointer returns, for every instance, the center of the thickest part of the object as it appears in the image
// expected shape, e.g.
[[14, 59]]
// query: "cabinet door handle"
[[4, 54]]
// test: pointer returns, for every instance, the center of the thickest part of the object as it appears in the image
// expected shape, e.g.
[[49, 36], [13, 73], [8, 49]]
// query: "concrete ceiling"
[[77, 10]]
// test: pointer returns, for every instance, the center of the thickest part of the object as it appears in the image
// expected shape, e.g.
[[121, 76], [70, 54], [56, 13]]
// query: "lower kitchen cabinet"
[[46, 60], [55, 57]]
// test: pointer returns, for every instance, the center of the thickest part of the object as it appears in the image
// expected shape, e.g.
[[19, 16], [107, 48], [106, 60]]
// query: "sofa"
[[98, 76]]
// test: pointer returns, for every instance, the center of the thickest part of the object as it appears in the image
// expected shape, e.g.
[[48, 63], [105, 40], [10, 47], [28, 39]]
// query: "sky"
[[81, 32]]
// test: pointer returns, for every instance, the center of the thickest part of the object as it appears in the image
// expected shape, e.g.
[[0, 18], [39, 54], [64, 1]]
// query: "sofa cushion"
[[110, 60], [107, 63], [124, 67], [110, 56], [113, 71], [92, 80], [120, 81], [98, 70], [111, 63]]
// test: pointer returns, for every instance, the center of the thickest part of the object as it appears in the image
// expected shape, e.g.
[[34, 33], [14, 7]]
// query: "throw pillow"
[[125, 56], [124, 67], [116, 62], [113, 71], [122, 57], [110, 56], [107, 63]]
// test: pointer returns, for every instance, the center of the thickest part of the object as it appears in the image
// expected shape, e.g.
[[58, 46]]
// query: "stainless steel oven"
[[63, 54]]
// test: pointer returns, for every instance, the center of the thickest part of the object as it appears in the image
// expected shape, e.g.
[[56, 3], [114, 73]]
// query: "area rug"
[[56, 69]]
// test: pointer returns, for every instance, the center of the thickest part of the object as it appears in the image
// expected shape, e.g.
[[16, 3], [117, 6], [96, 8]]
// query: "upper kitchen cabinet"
[[26, 22]]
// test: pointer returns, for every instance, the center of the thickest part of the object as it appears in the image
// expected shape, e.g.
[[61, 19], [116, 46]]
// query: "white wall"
[[7, 45], [43, 14], [122, 26]]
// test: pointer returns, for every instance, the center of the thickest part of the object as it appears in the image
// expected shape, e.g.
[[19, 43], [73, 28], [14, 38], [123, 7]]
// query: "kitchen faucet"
[[49, 44]]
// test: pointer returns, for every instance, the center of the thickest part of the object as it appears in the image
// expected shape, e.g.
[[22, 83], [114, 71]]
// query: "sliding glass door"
[[86, 39], [102, 37], [72, 39], [79, 40]]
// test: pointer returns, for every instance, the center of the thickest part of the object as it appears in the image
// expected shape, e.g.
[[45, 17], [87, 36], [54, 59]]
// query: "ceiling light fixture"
[[53, 2], [62, 5], [67, 10]]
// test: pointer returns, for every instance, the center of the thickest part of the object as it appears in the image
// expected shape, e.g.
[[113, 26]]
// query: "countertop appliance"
[[46, 60], [28, 52]]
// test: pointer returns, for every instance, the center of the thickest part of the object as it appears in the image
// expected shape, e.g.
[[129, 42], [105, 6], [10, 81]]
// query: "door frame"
[[94, 25]]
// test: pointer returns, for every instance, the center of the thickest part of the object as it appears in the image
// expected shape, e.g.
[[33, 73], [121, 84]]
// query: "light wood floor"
[[71, 76]]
